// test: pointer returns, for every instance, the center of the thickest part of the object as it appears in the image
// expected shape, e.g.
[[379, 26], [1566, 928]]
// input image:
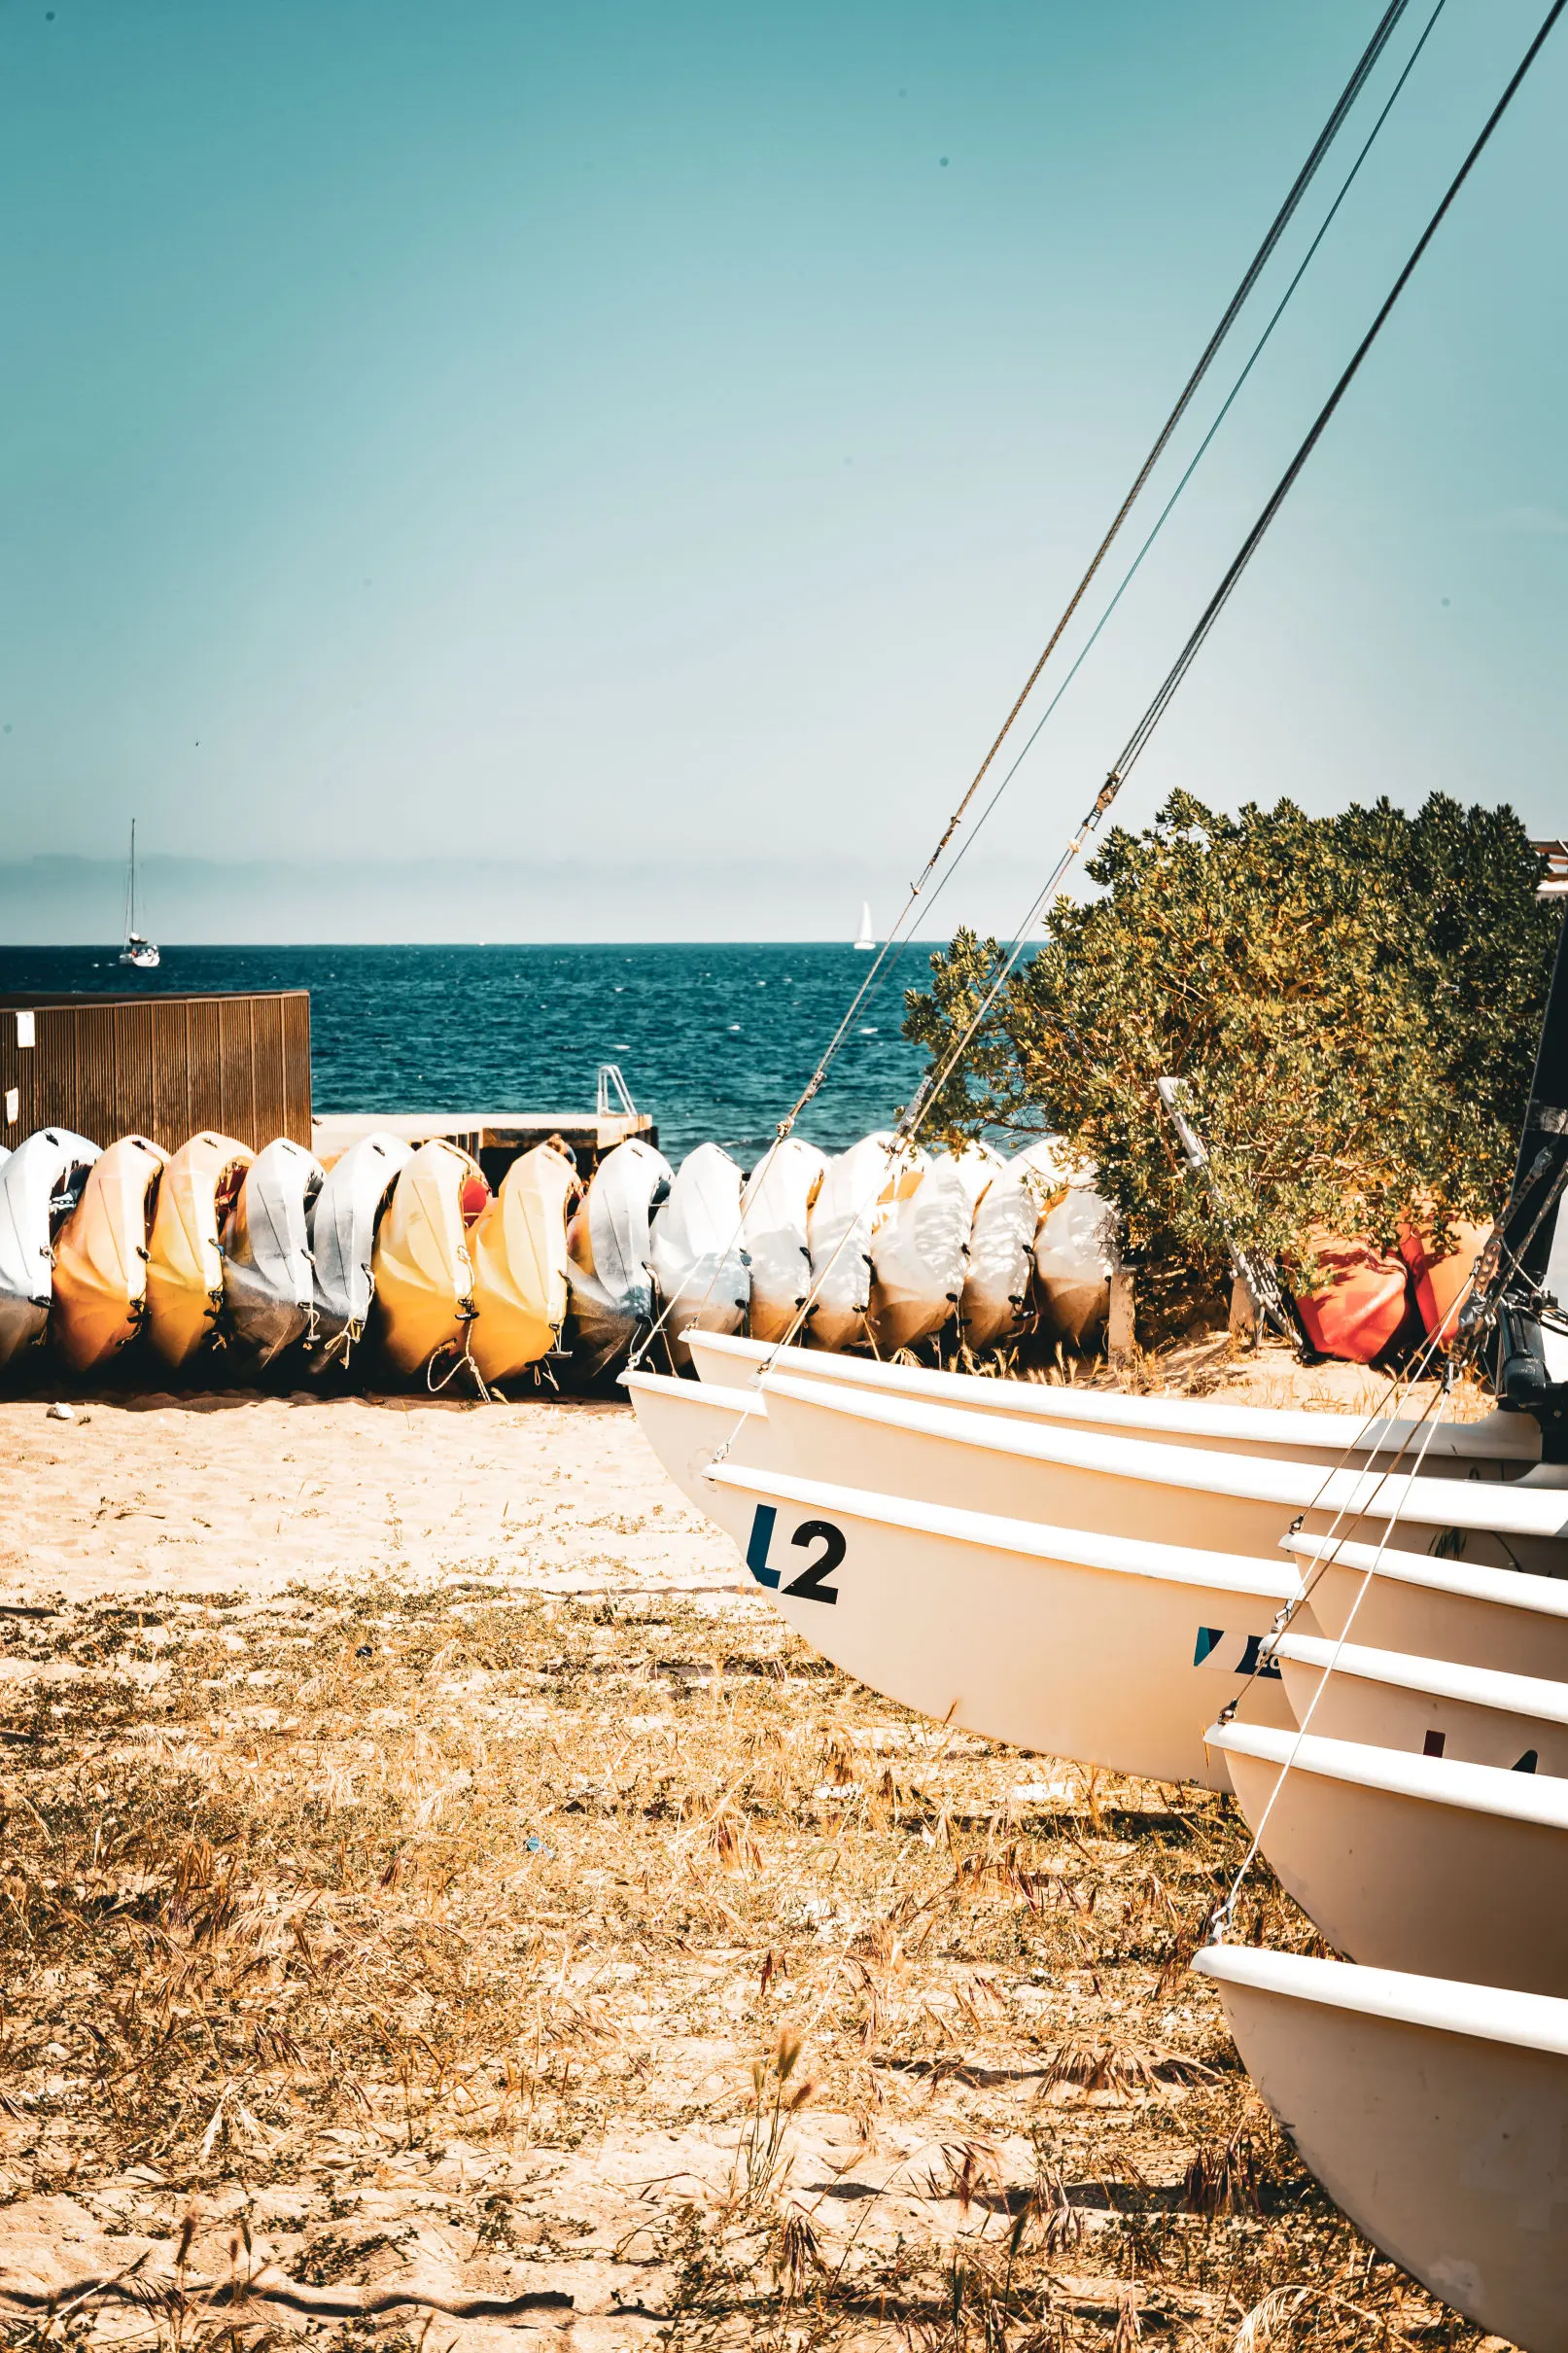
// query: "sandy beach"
[[438, 1893]]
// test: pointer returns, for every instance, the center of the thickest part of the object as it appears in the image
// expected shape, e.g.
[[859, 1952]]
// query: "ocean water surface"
[[717, 1042]]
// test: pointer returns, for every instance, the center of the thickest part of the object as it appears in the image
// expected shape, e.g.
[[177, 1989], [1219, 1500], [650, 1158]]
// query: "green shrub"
[[1354, 1002]]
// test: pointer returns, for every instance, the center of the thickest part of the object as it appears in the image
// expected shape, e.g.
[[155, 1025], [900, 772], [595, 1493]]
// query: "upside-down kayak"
[[608, 1246], [518, 1248], [101, 1256], [423, 1275], [344, 1217], [269, 1287], [38, 1185], [185, 1272]]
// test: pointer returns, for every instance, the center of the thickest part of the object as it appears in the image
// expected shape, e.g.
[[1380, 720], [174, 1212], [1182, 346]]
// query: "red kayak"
[[1438, 1277], [1361, 1299]]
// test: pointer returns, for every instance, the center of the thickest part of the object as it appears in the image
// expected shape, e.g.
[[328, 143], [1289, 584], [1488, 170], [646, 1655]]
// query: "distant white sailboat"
[[142, 952], [864, 940]]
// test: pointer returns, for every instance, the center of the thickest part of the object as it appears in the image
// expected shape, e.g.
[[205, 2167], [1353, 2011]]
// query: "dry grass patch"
[[375, 1962]]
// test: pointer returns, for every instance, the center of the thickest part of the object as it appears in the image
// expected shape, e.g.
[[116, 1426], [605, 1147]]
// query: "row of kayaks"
[[1400, 1749], [266, 1251], [880, 1246]]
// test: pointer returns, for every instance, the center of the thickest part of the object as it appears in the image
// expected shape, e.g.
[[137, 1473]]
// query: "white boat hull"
[[32, 1181], [1155, 1492], [1435, 2116], [1501, 1619], [1113, 1653], [775, 1216], [1402, 1859], [609, 1240], [1503, 1445], [268, 1285], [1386, 1698]]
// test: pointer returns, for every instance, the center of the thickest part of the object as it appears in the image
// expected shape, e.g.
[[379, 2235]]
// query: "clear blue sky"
[[659, 437]]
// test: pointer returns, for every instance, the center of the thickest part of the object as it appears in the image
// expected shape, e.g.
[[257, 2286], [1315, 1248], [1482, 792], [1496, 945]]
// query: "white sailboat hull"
[[1435, 2116], [1504, 1620], [1155, 1492], [852, 1202], [1403, 1859], [1386, 1698], [1117, 1654], [919, 1255], [1502, 1445]]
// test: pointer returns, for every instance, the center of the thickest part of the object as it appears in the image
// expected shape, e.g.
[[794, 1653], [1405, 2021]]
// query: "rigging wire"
[[1138, 741], [889, 955], [1297, 190], [914, 1115], [1191, 467]]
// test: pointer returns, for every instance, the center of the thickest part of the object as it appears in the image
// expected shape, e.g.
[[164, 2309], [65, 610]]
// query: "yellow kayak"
[[184, 1274], [101, 1256], [424, 1276], [519, 1249]]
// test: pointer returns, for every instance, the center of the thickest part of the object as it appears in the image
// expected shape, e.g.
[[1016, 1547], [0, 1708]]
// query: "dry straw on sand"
[[391, 1958]]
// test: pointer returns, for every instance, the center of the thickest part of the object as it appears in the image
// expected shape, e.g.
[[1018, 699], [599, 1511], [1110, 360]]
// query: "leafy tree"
[[1354, 1002]]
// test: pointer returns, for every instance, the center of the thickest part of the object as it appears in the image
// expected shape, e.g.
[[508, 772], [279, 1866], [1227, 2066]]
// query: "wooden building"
[[161, 1067]]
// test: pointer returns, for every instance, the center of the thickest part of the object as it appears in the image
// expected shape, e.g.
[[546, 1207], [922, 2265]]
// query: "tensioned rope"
[[1165, 511], [1297, 190], [911, 1121], [893, 946]]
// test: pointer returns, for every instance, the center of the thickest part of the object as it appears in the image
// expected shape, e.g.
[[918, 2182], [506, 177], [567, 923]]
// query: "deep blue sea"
[[714, 1041]]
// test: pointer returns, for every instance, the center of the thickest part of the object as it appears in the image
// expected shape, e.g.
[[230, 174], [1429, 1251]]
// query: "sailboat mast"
[[130, 888]]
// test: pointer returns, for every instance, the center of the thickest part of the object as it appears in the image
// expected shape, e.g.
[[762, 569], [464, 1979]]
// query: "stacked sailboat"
[[1359, 1628]]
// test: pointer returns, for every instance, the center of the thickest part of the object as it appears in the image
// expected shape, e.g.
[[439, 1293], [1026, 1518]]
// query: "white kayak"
[[1435, 1707], [1076, 1253], [268, 1284], [775, 1216], [700, 1270], [1502, 1445], [919, 1254], [343, 1220], [1133, 1487], [40, 1183], [609, 1243], [1435, 2115], [997, 1307], [1401, 1859], [856, 1190]]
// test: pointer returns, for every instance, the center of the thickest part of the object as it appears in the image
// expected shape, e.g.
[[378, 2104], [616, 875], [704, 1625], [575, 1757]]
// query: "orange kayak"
[[1360, 1300], [101, 1256]]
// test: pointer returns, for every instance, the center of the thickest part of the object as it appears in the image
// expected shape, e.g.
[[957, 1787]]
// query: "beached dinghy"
[[185, 1269], [1076, 1253], [774, 1215], [608, 1241], [344, 1217], [519, 1249], [1138, 1487], [101, 1256], [268, 1284], [1435, 1707], [856, 1190], [1503, 1620], [39, 1184], [1077, 1645], [920, 1255], [1399, 1858], [699, 1267], [995, 1307], [1502, 1444], [1435, 2116], [424, 1276]]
